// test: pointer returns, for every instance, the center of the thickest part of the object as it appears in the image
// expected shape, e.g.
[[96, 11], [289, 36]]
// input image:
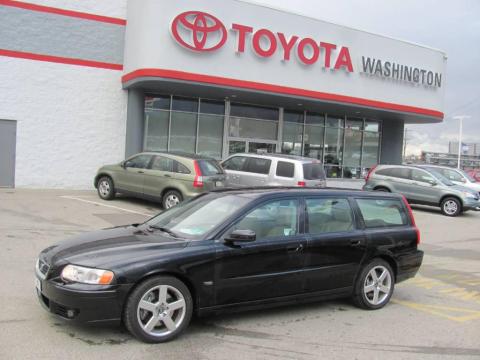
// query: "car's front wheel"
[[159, 309], [105, 188], [374, 285], [451, 207]]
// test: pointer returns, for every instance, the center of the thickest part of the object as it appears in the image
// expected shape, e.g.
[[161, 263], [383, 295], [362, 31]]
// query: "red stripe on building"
[[61, 60], [63, 12], [278, 89]]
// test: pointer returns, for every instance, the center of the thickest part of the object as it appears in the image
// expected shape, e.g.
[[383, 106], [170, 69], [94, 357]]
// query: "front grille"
[[42, 268]]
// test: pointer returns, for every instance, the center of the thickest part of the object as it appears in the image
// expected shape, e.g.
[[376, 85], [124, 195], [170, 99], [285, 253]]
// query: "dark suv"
[[230, 249]]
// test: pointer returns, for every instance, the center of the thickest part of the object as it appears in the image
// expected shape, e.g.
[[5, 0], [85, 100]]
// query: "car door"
[[400, 180], [423, 188], [269, 267], [234, 167], [335, 247], [158, 176], [132, 176]]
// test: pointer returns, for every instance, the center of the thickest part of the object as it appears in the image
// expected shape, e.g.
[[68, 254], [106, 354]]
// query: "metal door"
[[8, 139]]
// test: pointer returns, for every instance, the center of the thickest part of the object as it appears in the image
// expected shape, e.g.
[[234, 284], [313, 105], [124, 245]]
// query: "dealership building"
[[87, 83]]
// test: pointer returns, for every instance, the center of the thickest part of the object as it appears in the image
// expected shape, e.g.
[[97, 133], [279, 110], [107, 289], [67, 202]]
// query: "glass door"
[[251, 146]]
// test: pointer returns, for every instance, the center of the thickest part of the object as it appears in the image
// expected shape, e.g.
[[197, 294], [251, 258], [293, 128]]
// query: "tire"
[[380, 188], [153, 320], [366, 294], [451, 206], [171, 198], [105, 188]]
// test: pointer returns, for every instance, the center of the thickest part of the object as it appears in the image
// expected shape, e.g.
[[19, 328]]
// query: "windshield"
[[313, 171], [194, 219]]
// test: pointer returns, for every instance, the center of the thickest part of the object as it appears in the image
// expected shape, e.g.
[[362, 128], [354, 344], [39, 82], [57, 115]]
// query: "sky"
[[449, 25]]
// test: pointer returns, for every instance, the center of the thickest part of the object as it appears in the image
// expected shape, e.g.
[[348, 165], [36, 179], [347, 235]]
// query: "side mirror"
[[433, 182], [122, 164], [463, 180], [241, 236]]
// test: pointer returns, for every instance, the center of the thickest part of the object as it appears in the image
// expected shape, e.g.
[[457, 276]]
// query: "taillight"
[[301, 183], [370, 172], [198, 180], [412, 219]]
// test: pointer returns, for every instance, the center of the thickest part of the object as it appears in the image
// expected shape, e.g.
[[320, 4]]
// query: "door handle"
[[354, 242], [166, 175], [295, 248], [140, 172]]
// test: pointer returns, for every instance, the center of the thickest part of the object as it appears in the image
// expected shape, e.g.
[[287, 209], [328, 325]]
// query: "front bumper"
[[471, 204], [408, 265], [82, 303]]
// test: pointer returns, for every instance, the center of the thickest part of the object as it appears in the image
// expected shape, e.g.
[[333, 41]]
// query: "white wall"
[[71, 120]]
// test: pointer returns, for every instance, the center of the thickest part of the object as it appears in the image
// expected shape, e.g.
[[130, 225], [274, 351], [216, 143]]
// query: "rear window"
[[382, 212], [313, 171], [258, 165], [285, 169], [209, 167]]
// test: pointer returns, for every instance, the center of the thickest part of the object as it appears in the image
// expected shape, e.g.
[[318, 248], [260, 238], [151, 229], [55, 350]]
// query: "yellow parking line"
[[443, 311]]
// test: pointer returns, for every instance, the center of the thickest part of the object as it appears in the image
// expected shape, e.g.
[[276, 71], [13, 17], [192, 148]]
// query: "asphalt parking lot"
[[435, 315]]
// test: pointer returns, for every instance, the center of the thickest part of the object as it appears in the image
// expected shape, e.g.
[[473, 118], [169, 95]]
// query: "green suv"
[[166, 177]]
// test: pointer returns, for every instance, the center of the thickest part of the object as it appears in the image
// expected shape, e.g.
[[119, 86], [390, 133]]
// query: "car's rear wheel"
[[159, 309], [451, 206], [105, 188], [171, 199], [374, 286]]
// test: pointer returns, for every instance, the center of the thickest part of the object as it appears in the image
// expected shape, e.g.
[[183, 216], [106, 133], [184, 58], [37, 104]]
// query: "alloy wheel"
[[161, 310], [171, 201], [377, 285], [450, 207], [104, 188]]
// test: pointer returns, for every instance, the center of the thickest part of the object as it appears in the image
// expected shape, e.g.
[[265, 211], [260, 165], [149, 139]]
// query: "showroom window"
[[191, 125], [253, 122], [348, 147]]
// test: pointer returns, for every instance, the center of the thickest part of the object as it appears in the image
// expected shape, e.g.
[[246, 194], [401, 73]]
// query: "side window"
[[258, 165], [138, 162], [384, 172], [382, 212], [422, 176], [326, 215], [235, 163], [274, 219], [285, 169], [180, 168], [402, 173], [162, 164], [452, 175]]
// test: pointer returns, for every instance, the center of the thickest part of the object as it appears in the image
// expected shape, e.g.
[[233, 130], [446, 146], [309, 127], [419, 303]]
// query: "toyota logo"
[[199, 31]]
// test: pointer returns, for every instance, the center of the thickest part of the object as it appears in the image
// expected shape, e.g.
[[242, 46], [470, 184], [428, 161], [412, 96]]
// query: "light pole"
[[460, 117]]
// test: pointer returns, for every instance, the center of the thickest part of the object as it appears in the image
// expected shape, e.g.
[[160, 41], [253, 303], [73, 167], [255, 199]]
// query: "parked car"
[[456, 176], [166, 177], [273, 170], [233, 249], [422, 186], [474, 174]]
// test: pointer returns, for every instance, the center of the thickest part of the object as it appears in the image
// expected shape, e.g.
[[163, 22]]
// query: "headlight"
[[87, 275]]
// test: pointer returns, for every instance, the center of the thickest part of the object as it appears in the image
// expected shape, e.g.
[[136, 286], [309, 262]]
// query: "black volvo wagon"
[[233, 249]]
